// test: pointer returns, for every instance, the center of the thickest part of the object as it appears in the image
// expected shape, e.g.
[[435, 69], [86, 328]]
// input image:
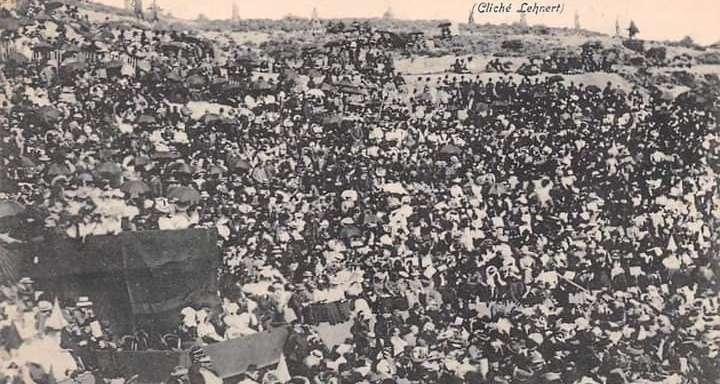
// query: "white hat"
[[232, 308], [187, 311], [83, 301], [44, 306], [162, 205]]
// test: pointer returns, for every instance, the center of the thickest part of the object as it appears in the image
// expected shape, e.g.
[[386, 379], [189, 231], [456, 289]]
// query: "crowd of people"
[[510, 230]]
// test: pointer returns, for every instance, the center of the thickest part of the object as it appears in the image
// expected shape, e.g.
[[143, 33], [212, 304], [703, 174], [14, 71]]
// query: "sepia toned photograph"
[[359, 192]]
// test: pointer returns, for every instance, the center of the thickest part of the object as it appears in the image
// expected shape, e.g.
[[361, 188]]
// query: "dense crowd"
[[510, 230]]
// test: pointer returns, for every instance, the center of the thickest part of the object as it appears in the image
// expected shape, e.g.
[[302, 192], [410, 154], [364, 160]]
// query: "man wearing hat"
[[44, 310], [179, 375], [26, 293]]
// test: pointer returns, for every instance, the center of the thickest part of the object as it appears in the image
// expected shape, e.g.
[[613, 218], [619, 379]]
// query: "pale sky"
[[656, 19]]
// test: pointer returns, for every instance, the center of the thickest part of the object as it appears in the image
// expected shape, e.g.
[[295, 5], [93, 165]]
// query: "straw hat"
[[44, 306]]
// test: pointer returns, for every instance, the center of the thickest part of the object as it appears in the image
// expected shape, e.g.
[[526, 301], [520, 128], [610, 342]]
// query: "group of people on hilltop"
[[506, 230]]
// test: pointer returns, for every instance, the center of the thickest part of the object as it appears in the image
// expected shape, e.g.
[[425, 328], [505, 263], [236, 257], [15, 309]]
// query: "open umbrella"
[[593, 89], [10, 208], [135, 188], [146, 119], [26, 162], [181, 168], [114, 64], [426, 97], [331, 120], [355, 91], [85, 177], [555, 79], [141, 160], [7, 185], [9, 24], [167, 155], [57, 169], [109, 168], [73, 67], [52, 5], [665, 95], [481, 107], [316, 92], [289, 74], [528, 70], [450, 150], [173, 76], [107, 153], [49, 114], [620, 92], [218, 84], [247, 57], [691, 98], [350, 231], [327, 87], [195, 81], [16, 57], [184, 194], [396, 188], [345, 83], [210, 118], [592, 44], [237, 163], [216, 170], [261, 86]]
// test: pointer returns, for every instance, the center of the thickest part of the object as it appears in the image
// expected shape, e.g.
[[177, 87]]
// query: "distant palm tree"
[[632, 30]]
